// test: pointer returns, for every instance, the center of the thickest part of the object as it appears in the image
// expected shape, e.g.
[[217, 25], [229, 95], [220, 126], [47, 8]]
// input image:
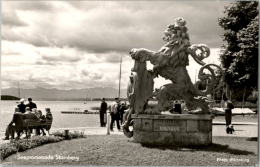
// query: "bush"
[[7, 149], [35, 141], [15, 146], [72, 135]]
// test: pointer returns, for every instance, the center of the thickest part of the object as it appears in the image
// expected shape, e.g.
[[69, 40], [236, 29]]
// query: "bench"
[[26, 122]]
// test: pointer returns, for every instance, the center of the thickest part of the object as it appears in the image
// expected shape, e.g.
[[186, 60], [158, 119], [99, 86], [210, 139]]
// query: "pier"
[[79, 112]]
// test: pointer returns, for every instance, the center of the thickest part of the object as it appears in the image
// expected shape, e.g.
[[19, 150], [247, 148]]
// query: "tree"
[[239, 56]]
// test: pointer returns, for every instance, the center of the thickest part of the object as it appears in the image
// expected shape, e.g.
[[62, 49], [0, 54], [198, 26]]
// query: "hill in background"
[[73, 94]]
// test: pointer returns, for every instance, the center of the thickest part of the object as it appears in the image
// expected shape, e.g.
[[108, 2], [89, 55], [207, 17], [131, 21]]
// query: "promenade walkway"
[[242, 129]]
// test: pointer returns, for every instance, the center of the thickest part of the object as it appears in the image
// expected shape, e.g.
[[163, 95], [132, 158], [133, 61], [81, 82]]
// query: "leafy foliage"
[[71, 135], [8, 149], [15, 146], [240, 51]]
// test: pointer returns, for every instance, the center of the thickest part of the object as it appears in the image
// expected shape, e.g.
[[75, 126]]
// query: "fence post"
[[66, 134], [108, 122]]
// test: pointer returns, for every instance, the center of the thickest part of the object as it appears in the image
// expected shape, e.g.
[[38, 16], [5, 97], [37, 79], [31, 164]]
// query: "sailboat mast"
[[19, 91], [119, 85]]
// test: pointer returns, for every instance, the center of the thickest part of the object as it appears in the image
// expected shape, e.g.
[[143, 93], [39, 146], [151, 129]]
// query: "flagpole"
[[120, 71]]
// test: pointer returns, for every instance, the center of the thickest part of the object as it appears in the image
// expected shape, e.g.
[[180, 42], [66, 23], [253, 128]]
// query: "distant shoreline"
[[34, 99], [9, 97], [13, 98]]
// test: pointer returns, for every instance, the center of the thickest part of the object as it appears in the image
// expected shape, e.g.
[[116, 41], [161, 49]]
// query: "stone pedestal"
[[175, 129]]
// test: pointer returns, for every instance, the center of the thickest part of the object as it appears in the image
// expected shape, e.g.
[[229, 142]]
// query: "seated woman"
[[42, 118], [48, 114], [29, 116], [38, 113], [49, 118]]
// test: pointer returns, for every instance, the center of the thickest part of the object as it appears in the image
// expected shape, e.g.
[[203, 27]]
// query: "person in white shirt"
[[115, 116]]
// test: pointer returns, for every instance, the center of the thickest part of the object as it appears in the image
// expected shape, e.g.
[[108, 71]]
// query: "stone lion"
[[170, 63]]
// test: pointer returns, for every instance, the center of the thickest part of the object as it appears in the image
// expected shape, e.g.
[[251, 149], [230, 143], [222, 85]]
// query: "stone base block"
[[176, 129]]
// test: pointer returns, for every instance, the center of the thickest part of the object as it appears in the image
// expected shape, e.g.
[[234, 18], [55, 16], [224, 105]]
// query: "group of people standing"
[[116, 110]]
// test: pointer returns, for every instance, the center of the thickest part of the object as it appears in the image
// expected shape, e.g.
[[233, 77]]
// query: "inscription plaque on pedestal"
[[186, 129]]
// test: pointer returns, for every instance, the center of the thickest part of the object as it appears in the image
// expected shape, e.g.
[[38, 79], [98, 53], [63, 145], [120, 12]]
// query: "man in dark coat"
[[21, 106], [9, 130], [102, 112], [228, 106], [177, 107], [31, 104], [122, 108]]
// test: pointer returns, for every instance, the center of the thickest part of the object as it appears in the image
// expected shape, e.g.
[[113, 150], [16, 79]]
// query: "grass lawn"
[[119, 150], [239, 118]]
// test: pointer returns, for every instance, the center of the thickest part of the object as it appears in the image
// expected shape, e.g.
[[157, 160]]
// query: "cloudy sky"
[[78, 44]]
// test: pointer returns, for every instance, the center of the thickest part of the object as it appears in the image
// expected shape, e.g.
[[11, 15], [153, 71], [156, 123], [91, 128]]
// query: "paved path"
[[86, 130], [91, 130], [235, 123], [242, 129]]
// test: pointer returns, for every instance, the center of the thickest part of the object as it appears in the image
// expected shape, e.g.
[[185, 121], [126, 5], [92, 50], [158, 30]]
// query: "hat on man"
[[22, 100]]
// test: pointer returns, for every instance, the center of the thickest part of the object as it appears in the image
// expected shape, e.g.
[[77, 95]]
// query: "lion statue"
[[170, 63]]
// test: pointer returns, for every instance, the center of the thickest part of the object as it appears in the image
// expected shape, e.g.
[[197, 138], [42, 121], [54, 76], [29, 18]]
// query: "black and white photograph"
[[129, 83]]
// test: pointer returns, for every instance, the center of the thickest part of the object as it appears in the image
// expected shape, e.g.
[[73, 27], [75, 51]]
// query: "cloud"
[[35, 6], [62, 68], [54, 54], [13, 34], [18, 53], [113, 26], [78, 44], [92, 75], [10, 19], [80, 74]]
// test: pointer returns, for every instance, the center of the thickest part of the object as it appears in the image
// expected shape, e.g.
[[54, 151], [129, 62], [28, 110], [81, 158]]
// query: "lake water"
[[59, 120]]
